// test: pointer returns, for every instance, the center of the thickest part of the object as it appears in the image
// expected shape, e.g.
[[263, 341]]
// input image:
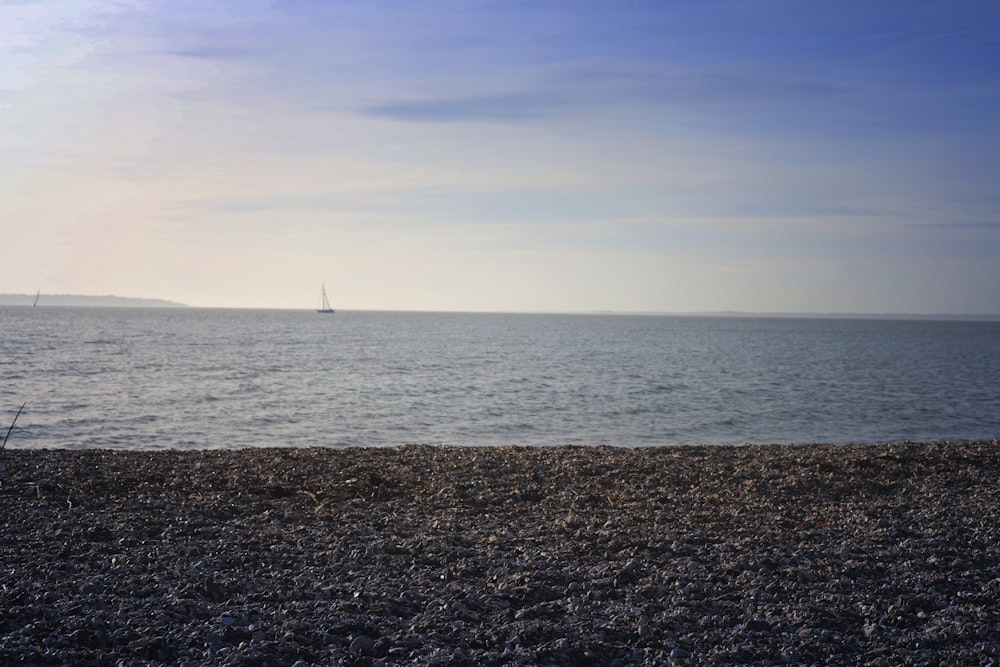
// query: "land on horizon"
[[86, 300], [988, 317], [111, 300]]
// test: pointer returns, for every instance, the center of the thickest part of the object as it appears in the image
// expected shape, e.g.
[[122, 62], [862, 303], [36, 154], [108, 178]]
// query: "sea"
[[183, 378]]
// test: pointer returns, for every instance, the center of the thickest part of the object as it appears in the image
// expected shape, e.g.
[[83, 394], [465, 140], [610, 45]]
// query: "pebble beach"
[[422, 555]]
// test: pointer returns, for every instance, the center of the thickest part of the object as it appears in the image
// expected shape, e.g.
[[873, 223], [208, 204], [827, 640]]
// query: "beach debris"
[[11, 427]]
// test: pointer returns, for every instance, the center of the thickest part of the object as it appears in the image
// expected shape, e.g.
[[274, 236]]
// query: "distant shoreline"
[[86, 300], [111, 300], [963, 317]]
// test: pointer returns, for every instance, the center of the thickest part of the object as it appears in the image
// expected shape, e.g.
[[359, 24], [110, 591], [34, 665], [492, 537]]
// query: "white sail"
[[324, 303]]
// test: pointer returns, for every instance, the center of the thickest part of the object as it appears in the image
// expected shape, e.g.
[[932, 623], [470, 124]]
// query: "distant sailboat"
[[37, 295], [324, 304]]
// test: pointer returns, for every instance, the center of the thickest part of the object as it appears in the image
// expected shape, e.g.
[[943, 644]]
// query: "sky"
[[504, 155]]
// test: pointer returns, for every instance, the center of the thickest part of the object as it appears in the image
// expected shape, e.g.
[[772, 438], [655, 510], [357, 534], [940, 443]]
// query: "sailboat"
[[37, 296], [325, 304]]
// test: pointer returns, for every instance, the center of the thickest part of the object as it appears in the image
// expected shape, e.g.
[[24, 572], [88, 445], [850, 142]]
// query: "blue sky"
[[774, 155]]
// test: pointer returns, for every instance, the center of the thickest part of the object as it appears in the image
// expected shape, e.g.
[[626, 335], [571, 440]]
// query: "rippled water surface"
[[193, 378]]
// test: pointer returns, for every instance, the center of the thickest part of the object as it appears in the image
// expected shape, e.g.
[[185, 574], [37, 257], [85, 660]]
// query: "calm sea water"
[[192, 378]]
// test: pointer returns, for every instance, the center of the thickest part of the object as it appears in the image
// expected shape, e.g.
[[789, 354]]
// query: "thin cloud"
[[956, 225], [578, 90], [245, 205], [514, 106], [213, 52]]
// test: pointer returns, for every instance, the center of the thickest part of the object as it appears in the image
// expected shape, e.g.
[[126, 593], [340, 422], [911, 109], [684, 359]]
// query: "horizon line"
[[169, 303]]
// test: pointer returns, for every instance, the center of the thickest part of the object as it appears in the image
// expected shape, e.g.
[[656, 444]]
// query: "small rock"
[[361, 645]]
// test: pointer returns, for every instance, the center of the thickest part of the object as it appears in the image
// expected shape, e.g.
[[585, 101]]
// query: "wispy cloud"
[[512, 106], [214, 52], [580, 89], [957, 225]]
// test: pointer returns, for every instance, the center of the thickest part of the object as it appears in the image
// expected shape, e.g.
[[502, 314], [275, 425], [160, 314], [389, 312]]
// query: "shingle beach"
[[420, 555]]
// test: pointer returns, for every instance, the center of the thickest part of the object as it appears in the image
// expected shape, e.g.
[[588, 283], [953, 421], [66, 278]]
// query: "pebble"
[[419, 555], [362, 645]]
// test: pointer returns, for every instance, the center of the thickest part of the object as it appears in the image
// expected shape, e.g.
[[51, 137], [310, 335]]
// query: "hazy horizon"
[[482, 156], [115, 300]]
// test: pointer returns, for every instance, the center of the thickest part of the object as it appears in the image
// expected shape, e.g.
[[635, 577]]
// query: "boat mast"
[[324, 302]]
